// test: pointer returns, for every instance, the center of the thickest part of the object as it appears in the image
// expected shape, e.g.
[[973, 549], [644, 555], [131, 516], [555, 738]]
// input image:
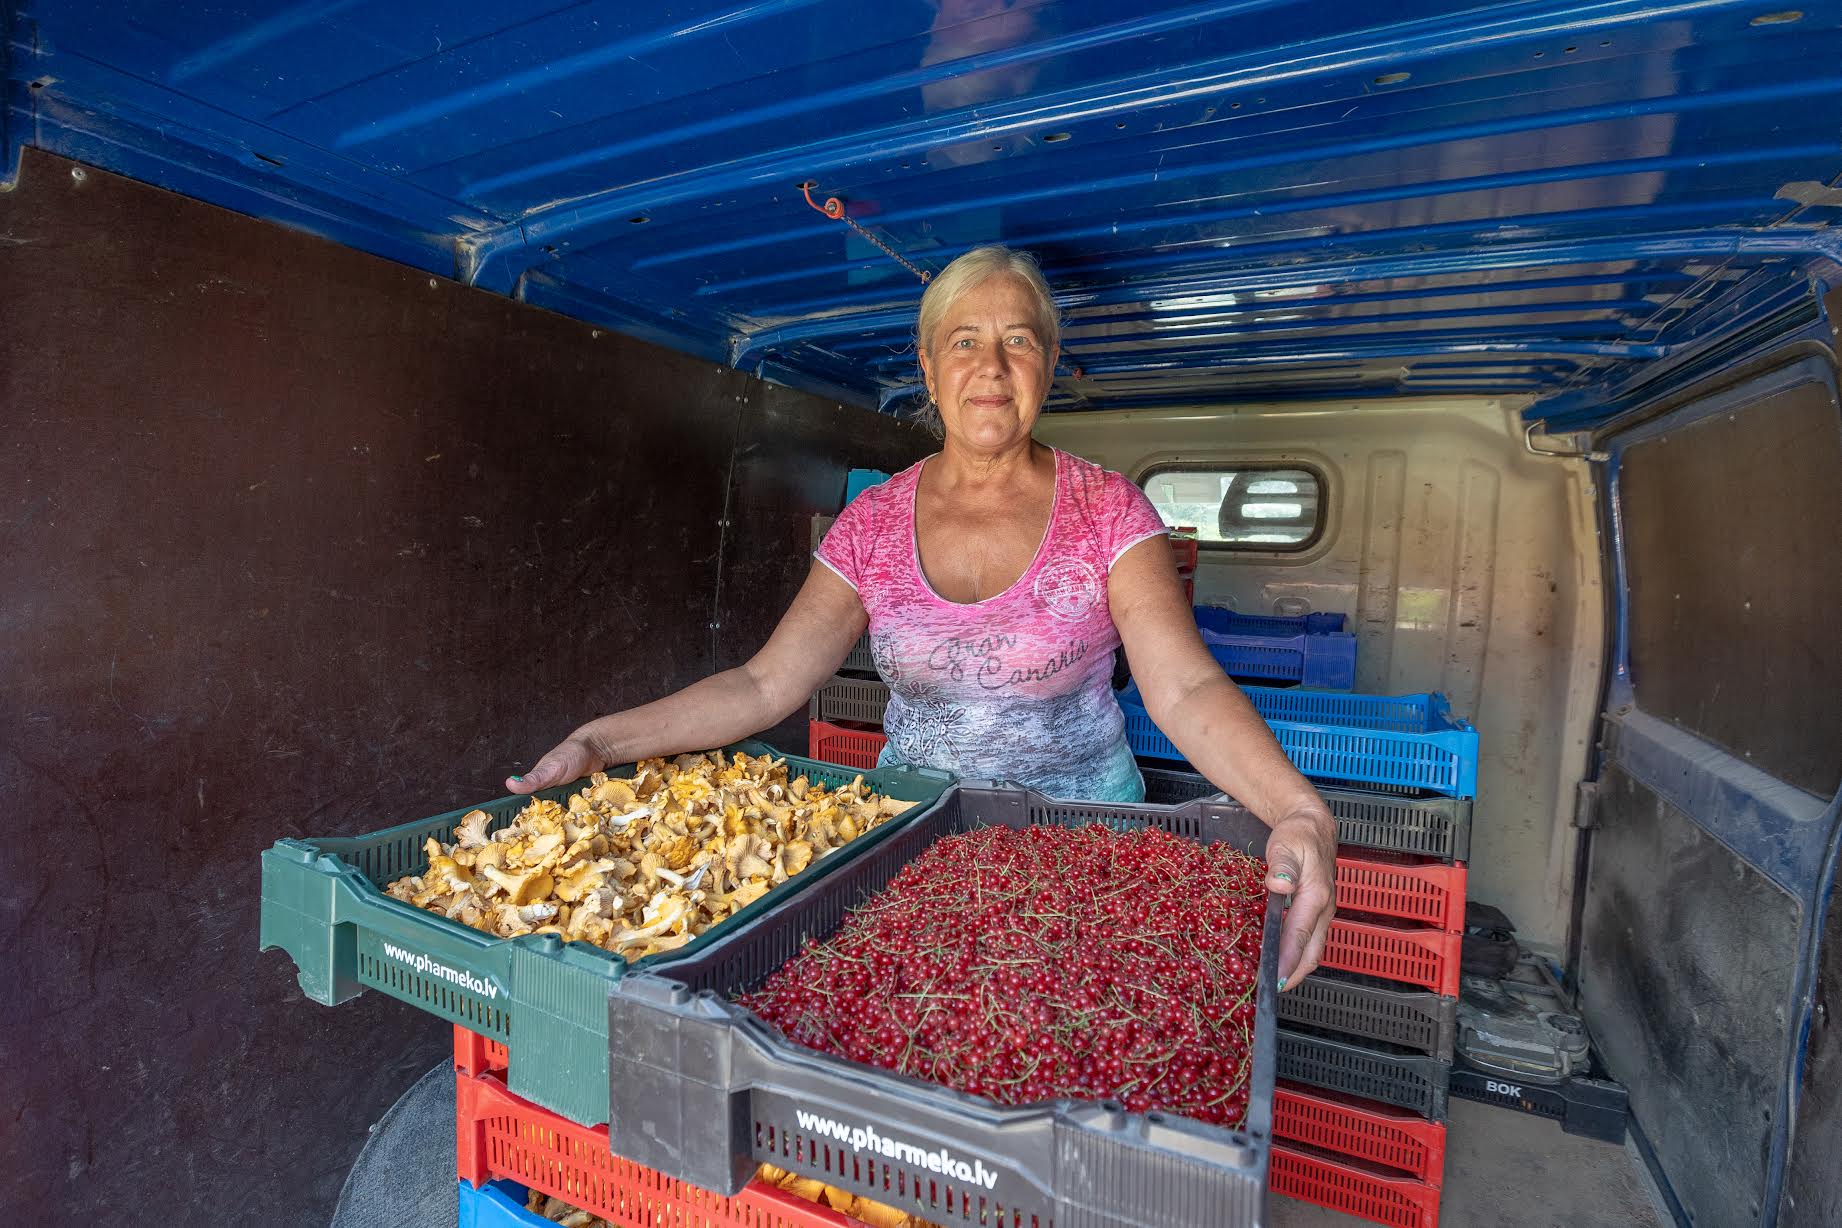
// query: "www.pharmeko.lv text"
[[441, 972], [865, 1138]]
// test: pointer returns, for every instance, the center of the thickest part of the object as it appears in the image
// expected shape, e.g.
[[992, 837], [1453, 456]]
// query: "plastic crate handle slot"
[[325, 958]]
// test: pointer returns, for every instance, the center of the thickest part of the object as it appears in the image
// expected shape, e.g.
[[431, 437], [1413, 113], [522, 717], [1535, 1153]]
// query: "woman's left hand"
[[1215, 727], [1301, 861]]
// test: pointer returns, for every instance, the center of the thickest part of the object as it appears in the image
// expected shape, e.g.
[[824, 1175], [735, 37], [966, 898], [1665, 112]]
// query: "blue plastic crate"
[[497, 1204], [1323, 661], [1398, 742], [1224, 621], [859, 480]]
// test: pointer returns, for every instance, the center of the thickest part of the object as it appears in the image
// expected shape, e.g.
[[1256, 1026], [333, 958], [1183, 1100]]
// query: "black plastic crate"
[[1425, 826], [1169, 787], [1407, 1080], [1371, 1009], [704, 1090]]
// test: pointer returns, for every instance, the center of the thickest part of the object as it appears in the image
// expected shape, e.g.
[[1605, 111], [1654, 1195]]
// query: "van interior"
[[392, 388]]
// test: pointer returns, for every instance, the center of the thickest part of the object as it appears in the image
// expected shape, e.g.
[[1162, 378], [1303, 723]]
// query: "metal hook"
[[1528, 441]]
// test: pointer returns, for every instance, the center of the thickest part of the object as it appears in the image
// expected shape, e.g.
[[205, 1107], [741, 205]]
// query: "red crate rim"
[[842, 744], [1425, 957], [476, 1054], [1352, 1187], [1382, 1134], [844, 729], [1427, 893], [573, 1163]]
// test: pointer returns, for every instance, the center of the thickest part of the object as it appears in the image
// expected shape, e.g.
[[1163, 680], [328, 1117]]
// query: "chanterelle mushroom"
[[522, 888], [748, 857], [538, 913], [795, 856], [471, 833], [574, 884]]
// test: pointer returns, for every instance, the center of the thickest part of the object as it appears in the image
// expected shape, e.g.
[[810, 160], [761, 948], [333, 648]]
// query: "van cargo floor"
[[1510, 1170]]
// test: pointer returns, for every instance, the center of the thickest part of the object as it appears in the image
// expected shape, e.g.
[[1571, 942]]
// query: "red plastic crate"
[[844, 745], [1362, 1130], [1352, 1188], [1416, 956], [1183, 545], [500, 1135], [476, 1054], [1429, 894]]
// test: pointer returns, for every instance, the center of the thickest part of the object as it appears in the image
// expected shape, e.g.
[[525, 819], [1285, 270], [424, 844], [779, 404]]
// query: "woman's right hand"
[[571, 759]]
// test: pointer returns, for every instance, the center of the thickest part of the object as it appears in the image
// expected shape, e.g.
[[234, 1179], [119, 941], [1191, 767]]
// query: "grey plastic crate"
[[850, 699], [1426, 826], [862, 660], [1410, 1080], [704, 1090], [1374, 1010], [821, 525]]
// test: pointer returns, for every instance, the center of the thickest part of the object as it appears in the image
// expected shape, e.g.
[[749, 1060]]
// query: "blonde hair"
[[969, 271]]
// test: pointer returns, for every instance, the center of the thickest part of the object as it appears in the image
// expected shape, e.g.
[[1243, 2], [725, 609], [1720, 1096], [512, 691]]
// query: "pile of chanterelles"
[[643, 864]]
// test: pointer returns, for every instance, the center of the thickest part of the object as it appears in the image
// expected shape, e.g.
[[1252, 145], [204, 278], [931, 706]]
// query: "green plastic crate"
[[545, 999]]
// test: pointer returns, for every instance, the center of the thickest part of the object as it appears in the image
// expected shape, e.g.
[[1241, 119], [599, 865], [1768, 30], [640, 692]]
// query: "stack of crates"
[[1311, 650], [1183, 544], [845, 716], [508, 1148], [1365, 1046], [529, 1014], [1365, 1052]]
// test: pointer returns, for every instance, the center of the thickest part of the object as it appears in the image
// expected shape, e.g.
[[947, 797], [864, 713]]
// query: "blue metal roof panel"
[[1334, 198]]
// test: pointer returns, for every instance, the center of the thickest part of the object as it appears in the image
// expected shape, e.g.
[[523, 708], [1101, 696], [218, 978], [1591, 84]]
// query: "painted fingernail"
[[1282, 984], [519, 779], [1285, 874]]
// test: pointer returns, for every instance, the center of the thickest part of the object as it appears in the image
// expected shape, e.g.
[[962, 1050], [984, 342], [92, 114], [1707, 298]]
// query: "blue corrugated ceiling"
[[1257, 198]]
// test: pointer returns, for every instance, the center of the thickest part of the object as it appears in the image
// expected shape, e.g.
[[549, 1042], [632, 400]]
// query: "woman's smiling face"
[[988, 366]]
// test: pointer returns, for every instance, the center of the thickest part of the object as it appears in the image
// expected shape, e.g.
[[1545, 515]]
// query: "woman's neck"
[[959, 464]]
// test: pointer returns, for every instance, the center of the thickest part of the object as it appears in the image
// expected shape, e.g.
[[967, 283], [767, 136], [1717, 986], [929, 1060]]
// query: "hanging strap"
[[834, 208]]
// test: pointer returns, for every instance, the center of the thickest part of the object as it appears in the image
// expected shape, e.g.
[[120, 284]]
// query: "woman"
[[996, 577]]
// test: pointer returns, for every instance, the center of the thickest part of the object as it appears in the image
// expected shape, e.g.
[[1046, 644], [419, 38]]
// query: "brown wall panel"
[[297, 542], [792, 457], [1736, 593]]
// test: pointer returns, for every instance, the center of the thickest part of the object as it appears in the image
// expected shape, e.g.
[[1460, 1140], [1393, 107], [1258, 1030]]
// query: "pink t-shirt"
[[1017, 686]]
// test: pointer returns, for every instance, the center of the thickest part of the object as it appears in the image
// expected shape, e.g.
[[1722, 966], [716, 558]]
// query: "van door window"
[[1257, 508]]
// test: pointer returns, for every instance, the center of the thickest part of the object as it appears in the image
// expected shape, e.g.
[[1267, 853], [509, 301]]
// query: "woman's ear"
[[927, 376]]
